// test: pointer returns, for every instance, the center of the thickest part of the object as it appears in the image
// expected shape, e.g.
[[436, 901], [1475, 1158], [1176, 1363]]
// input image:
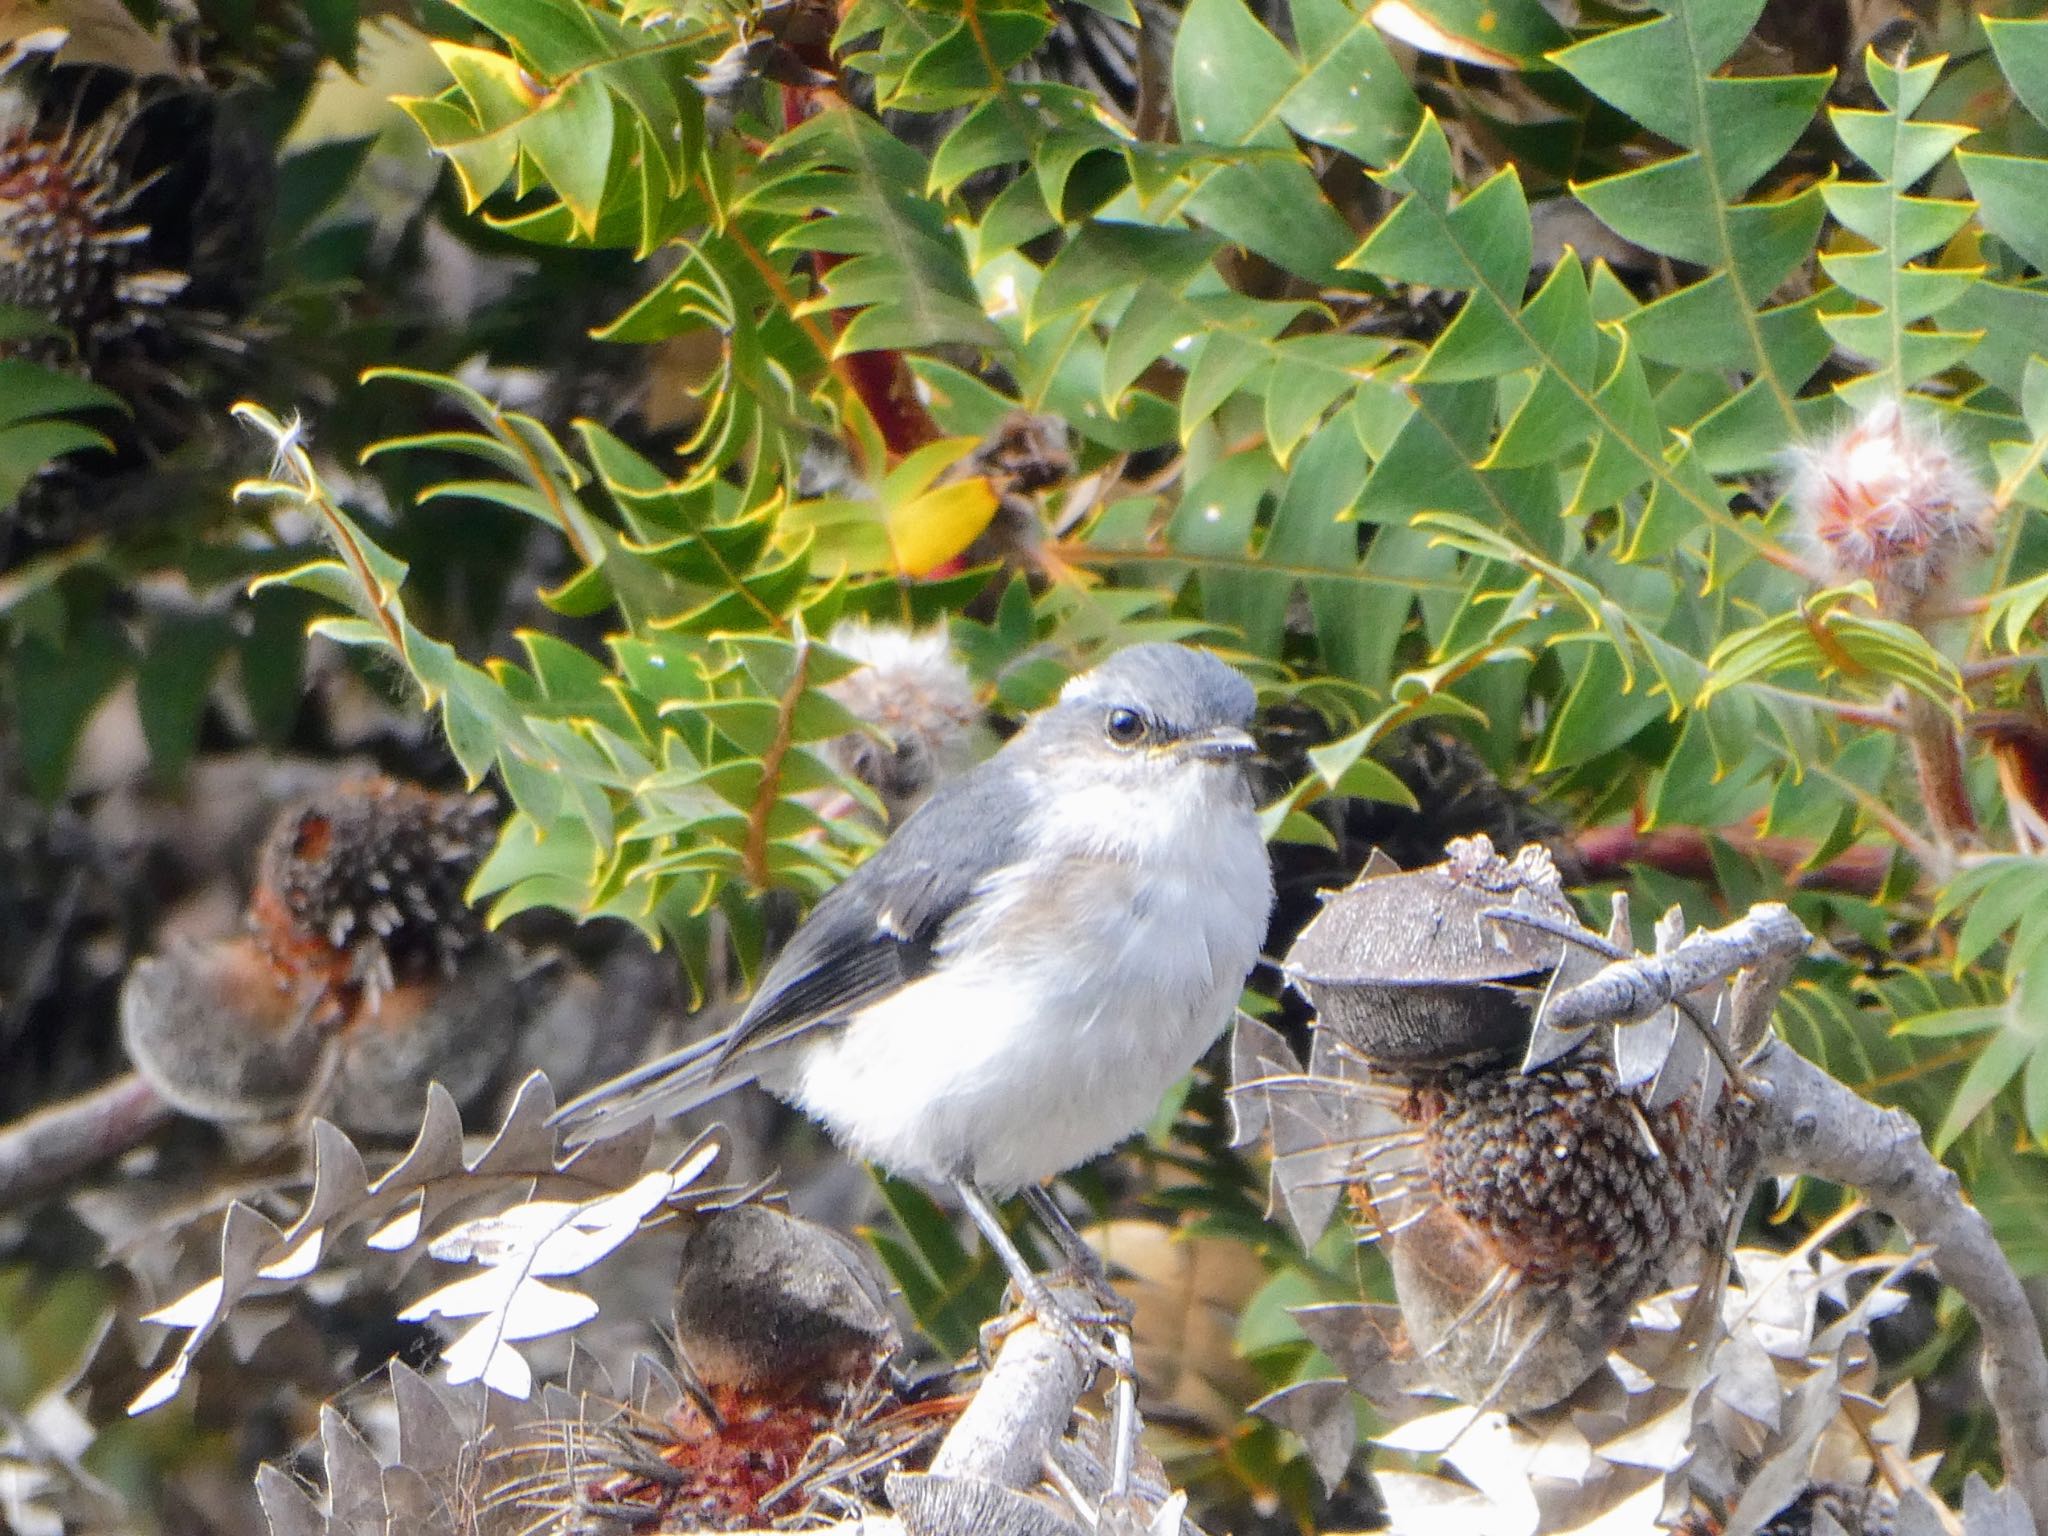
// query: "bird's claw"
[[1079, 1328], [1111, 1309]]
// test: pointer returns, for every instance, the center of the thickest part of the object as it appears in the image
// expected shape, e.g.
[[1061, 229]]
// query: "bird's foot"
[[1072, 1315], [1106, 1305]]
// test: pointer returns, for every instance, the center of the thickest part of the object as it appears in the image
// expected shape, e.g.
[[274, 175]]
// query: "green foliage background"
[[1344, 408]]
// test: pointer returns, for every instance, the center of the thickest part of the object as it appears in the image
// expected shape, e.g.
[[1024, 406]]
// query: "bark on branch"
[[44, 1152], [1811, 1124]]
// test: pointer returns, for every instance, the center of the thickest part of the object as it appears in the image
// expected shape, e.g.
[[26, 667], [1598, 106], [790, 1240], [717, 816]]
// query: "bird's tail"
[[693, 1075]]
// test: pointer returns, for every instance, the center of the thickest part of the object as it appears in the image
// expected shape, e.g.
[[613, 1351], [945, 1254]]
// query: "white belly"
[[1103, 992]]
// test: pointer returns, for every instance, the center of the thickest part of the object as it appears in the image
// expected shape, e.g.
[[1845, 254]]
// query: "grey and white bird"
[[1012, 982]]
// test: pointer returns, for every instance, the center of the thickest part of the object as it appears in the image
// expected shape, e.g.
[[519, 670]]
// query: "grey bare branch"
[[1634, 989], [50, 1148], [1811, 1124]]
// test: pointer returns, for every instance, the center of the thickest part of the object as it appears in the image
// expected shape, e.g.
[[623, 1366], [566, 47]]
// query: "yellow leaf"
[[927, 531]]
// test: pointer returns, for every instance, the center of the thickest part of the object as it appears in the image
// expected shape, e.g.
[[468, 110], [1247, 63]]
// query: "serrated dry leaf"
[[1320, 1415]]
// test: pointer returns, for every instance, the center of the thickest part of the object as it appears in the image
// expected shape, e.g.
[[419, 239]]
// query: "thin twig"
[[58, 1143], [1634, 989]]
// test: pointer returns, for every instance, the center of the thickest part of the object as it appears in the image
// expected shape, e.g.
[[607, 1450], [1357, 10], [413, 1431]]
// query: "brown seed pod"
[[775, 1305], [74, 248], [1411, 972], [1551, 1202], [364, 975], [219, 1033], [779, 1410], [362, 887]]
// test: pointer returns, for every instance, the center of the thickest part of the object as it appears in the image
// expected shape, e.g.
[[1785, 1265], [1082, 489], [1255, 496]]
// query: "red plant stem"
[[1607, 852], [881, 380], [1938, 764]]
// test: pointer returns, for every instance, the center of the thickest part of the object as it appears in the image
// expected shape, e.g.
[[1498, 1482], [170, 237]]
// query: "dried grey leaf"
[[355, 1478], [1576, 963], [1320, 1415], [1661, 1444], [339, 1178], [1994, 1513], [932, 1505], [413, 1505], [436, 1151], [1366, 1342], [429, 1440], [1313, 1152], [1640, 1050], [287, 1507], [1783, 1474], [611, 1163], [1746, 1380], [1690, 1064], [1917, 1516], [525, 1139], [1257, 1052]]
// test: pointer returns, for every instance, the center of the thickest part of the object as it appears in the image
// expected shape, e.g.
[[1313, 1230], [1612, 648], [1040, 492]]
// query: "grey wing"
[[879, 931], [870, 936]]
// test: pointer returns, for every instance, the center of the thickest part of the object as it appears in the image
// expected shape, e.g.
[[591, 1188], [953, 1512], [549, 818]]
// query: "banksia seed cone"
[[1550, 1203], [364, 975], [71, 249], [916, 693], [1886, 500], [363, 887], [1524, 1212], [782, 1328], [1539, 1211]]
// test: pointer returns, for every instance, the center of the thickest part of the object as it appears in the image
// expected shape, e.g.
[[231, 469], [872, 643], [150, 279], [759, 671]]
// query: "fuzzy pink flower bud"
[[917, 694], [1886, 500]]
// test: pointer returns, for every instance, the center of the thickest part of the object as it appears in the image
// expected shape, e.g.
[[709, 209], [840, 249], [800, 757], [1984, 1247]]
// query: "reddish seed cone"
[[363, 974], [1886, 500]]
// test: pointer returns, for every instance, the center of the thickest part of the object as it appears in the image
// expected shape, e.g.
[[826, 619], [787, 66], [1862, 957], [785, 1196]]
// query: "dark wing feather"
[[879, 931], [870, 936]]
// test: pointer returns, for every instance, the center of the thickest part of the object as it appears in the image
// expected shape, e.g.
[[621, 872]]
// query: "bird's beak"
[[1223, 744]]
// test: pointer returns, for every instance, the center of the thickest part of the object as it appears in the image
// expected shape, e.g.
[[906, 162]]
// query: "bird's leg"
[[1085, 1263], [1037, 1299], [1032, 1289]]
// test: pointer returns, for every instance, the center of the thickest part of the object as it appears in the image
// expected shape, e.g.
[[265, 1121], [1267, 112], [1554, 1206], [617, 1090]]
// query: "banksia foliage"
[[1886, 500]]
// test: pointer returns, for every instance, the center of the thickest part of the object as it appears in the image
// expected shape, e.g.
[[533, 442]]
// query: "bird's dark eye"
[[1125, 727]]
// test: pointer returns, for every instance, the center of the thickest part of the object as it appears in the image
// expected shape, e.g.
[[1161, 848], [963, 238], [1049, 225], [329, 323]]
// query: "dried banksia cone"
[[1525, 1213], [1025, 454], [364, 975], [779, 1307], [918, 697], [1886, 500], [1408, 971], [1549, 1203], [362, 887], [219, 1033], [784, 1413], [72, 249]]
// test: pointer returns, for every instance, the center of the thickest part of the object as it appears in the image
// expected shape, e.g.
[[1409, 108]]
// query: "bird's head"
[[1150, 714]]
